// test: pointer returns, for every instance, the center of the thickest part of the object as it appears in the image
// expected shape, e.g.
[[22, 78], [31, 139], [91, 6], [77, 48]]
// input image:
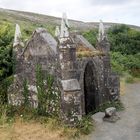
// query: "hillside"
[[43, 122], [29, 18], [124, 40]]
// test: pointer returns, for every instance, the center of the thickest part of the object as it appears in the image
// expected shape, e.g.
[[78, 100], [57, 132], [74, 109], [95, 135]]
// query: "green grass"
[[117, 104], [11, 116]]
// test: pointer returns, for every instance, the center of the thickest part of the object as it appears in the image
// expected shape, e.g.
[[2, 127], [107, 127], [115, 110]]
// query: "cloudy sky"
[[121, 11]]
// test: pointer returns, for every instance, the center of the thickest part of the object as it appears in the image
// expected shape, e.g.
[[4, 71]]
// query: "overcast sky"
[[121, 11]]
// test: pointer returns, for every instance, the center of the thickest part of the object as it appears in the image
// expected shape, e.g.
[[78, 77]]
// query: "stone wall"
[[85, 83]]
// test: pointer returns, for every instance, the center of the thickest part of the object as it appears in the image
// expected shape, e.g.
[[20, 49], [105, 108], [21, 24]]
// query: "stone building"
[[82, 71]]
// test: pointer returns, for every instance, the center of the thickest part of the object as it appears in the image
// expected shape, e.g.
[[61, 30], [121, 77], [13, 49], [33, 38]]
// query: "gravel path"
[[128, 127]]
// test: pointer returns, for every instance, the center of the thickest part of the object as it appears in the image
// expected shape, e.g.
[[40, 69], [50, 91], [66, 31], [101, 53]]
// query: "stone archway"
[[90, 88]]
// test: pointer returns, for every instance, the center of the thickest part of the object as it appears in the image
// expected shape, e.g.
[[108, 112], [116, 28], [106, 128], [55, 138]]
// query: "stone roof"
[[41, 43], [80, 39], [48, 38]]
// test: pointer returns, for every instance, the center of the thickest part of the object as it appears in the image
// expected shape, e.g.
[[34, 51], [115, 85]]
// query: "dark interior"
[[89, 89]]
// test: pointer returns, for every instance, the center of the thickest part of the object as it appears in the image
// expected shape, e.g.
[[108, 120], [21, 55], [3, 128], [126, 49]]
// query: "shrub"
[[129, 78], [91, 36], [125, 63], [26, 93], [117, 104], [125, 48], [3, 89], [124, 39], [6, 61], [85, 125], [48, 100], [3, 115]]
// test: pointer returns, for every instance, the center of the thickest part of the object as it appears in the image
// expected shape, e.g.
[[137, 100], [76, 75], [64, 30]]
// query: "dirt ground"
[[28, 131], [32, 130], [128, 127]]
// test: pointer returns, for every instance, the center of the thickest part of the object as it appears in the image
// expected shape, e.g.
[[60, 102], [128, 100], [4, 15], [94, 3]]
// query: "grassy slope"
[[33, 19], [33, 130]]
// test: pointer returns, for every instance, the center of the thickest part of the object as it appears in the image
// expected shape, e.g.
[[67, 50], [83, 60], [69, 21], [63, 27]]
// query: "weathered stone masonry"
[[85, 81]]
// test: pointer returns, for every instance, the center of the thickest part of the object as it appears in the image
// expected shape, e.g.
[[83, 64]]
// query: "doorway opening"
[[90, 88]]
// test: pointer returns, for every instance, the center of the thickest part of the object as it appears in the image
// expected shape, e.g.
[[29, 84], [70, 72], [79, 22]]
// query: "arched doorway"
[[90, 88]]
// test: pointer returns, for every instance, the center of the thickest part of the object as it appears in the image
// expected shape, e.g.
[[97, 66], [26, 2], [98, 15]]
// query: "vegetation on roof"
[[83, 51], [125, 48]]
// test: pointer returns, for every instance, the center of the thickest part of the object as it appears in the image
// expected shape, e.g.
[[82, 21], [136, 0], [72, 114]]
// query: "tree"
[[6, 61], [124, 39]]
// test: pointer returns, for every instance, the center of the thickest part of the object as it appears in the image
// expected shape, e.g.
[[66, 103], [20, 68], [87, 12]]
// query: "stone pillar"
[[71, 107], [67, 57], [111, 80], [17, 49], [15, 90], [104, 46]]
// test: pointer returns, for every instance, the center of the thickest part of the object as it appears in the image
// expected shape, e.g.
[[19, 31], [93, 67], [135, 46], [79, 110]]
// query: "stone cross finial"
[[102, 34], [17, 38], [57, 31], [64, 27]]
